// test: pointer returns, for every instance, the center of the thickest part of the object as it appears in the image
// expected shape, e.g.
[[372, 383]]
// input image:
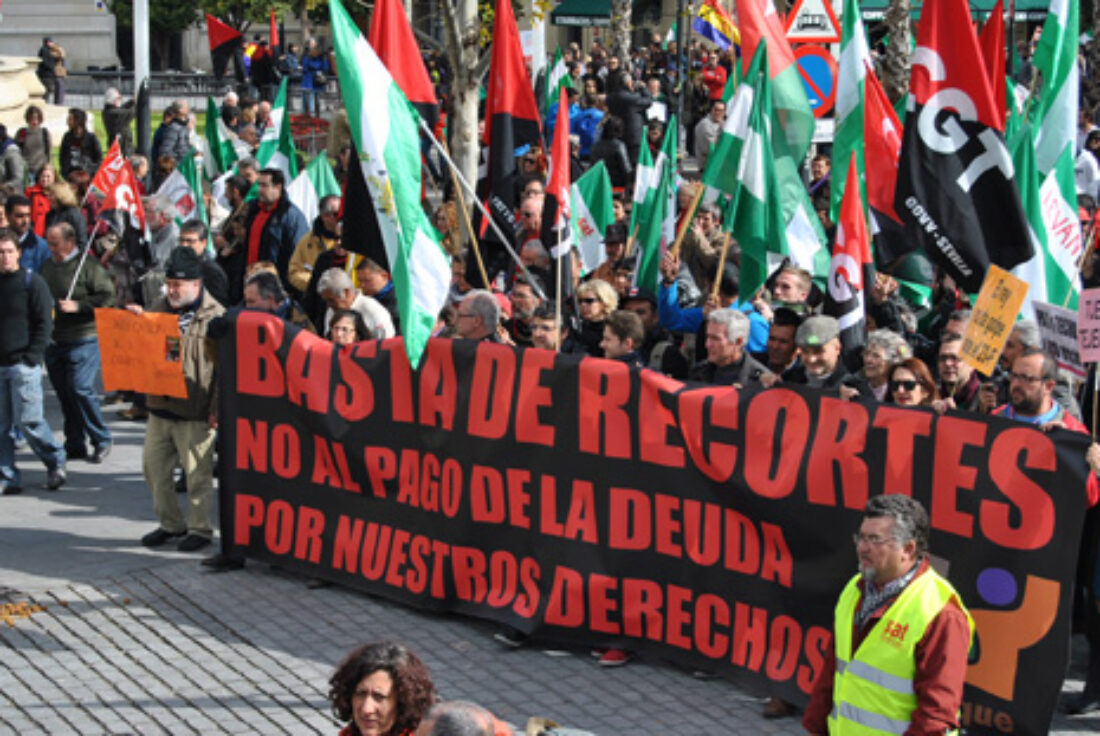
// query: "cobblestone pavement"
[[101, 636]]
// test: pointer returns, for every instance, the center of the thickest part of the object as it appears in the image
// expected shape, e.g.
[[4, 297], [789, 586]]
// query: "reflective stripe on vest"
[[873, 687]]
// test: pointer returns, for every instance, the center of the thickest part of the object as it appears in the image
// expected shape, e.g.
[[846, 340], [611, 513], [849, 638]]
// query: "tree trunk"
[[895, 62], [1091, 81], [307, 27], [461, 31], [621, 11]]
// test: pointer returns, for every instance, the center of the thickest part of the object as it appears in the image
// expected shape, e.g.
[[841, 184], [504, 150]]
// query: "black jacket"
[[743, 373], [26, 318]]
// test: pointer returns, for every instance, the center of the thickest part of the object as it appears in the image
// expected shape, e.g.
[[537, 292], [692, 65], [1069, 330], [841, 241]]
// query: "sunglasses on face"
[[907, 385], [588, 300]]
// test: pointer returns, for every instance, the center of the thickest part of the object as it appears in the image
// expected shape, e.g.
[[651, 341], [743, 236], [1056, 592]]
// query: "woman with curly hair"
[[381, 689]]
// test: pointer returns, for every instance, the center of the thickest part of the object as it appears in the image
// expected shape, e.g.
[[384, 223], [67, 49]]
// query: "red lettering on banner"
[[251, 445], [438, 385], [678, 618], [953, 436], [279, 527], [1034, 520], [324, 469], [452, 487], [347, 482], [491, 391], [416, 578], [761, 452], [527, 602], [248, 514], [566, 604], [548, 507], [711, 612], [838, 443], [503, 572], [750, 633], [354, 397], [532, 397], [629, 522], [381, 465], [642, 604], [784, 647], [666, 525], [429, 484], [518, 497], [397, 558], [601, 602], [440, 554], [346, 545], [375, 546], [487, 504], [286, 452], [777, 564], [259, 370], [742, 544], [401, 389], [254, 448], [309, 372], [655, 420], [580, 524], [702, 532], [818, 639], [469, 573], [603, 423], [408, 476], [902, 428], [718, 459]]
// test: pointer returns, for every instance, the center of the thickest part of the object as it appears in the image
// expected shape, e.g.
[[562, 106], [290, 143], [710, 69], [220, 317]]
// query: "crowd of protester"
[[696, 325]]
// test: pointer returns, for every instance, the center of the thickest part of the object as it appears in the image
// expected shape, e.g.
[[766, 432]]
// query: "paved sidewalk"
[[101, 636]]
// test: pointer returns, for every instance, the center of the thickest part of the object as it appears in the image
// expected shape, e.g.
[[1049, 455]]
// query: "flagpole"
[[76, 275], [485, 213], [687, 219], [721, 263], [1085, 235], [469, 225], [557, 302]]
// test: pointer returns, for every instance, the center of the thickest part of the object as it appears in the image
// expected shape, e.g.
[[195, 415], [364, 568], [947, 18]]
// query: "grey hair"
[[334, 281], [1028, 333], [910, 518], [484, 305], [735, 322], [891, 344], [459, 718], [112, 95], [248, 162]]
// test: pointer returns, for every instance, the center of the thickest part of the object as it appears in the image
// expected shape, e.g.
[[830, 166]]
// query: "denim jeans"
[[21, 407], [73, 367]]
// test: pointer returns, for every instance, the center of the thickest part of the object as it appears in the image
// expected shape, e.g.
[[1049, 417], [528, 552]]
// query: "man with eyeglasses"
[[477, 317], [195, 236], [901, 636], [1031, 394], [960, 385], [322, 236]]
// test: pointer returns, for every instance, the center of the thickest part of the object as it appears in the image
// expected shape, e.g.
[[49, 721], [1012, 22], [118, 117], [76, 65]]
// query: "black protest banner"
[[586, 502]]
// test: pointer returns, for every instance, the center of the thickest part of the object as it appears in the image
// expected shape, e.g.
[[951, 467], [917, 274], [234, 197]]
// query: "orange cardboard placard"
[[991, 321], [140, 352]]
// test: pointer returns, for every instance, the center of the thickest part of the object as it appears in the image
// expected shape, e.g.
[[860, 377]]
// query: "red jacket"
[[1092, 485], [715, 79], [941, 672], [40, 206]]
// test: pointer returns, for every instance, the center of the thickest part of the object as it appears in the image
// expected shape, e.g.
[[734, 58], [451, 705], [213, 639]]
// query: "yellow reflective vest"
[[873, 687]]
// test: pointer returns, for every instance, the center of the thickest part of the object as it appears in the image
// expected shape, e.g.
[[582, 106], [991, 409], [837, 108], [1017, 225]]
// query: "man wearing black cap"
[[614, 244], [181, 430]]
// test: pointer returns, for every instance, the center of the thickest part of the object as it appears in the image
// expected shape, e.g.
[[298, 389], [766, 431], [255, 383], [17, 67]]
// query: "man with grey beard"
[[181, 430]]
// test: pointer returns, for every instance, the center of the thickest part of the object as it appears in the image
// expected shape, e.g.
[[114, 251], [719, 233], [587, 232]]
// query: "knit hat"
[[183, 264]]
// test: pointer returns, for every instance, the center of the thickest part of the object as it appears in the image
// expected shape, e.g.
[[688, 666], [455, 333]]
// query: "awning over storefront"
[[582, 13], [980, 9]]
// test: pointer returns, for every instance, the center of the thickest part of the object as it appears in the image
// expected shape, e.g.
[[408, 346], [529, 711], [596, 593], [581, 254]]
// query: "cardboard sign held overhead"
[[992, 318], [812, 21]]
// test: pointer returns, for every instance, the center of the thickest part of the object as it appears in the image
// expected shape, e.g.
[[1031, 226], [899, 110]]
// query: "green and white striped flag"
[[218, 155], [656, 225], [1055, 136], [315, 182], [557, 76], [854, 61], [590, 212], [742, 167], [277, 145], [384, 126], [669, 37], [181, 193]]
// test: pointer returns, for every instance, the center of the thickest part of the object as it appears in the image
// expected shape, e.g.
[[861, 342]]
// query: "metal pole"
[[681, 70], [141, 77]]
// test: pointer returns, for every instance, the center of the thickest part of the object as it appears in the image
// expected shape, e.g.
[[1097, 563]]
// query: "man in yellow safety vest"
[[901, 635]]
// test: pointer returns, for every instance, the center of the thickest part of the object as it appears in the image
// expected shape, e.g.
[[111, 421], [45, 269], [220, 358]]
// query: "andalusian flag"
[[742, 166], [277, 146], [386, 134], [313, 184], [1040, 272], [181, 191], [855, 60], [557, 77], [1055, 124], [218, 155], [656, 226], [591, 212]]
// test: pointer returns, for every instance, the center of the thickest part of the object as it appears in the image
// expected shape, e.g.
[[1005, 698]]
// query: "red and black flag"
[[992, 40], [956, 190], [850, 272], [274, 41], [224, 41], [361, 231], [882, 147], [511, 122], [556, 232], [392, 38]]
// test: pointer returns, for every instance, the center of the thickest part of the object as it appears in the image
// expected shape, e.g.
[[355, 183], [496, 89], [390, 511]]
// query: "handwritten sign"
[[1088, 325], [993, 316], [140, 352], [1058, 331]]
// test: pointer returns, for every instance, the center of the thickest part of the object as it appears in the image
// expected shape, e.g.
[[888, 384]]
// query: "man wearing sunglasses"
[[901, 637]]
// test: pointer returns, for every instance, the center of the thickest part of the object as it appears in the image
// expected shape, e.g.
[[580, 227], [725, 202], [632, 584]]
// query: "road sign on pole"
[[818, 70], [813, 21]]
